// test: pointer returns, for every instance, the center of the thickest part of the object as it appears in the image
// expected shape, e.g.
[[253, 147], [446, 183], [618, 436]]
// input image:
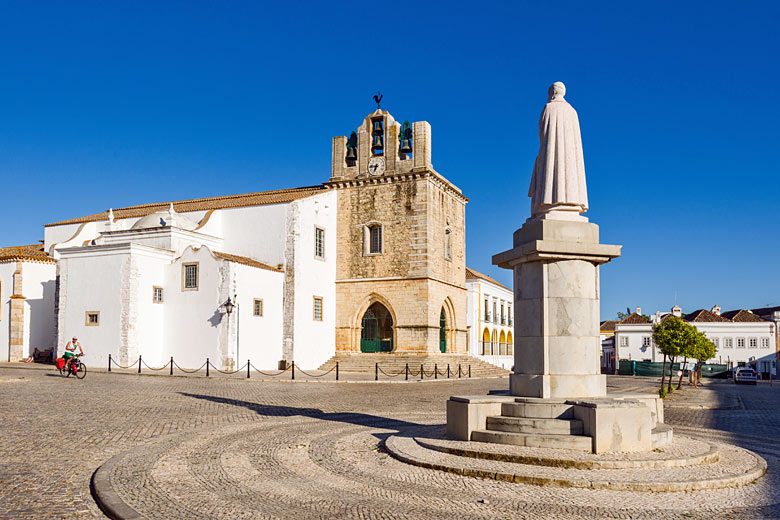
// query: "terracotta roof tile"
[[182, 206], [608, 326], [742, 316], [246, 261], [765, 312], [704, 316], [635, 319], [472, 274], [34, 253]]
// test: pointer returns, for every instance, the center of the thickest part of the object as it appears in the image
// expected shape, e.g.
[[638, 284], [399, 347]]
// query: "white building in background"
[[490, 320], [740, 336], [27, 298]]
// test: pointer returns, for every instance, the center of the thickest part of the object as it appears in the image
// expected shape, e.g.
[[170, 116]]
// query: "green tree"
[[701, 350], [672, 336]]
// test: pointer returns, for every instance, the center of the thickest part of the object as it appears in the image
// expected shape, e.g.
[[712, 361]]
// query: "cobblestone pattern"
[[306, 450]]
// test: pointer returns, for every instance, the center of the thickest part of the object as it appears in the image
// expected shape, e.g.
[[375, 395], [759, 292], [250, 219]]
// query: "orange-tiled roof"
[[703, 316], [472, 274], [608, 326], [634, 319], [34, 253], [742, 316], [182, 206], [246, 261]]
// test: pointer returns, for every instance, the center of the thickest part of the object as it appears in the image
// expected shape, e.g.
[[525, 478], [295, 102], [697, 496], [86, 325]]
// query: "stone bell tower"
[[400, 270]]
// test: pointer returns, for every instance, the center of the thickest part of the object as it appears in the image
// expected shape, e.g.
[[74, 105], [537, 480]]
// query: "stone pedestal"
[[556, 287]]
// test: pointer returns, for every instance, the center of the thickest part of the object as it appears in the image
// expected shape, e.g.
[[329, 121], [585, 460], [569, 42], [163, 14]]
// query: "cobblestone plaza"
[[176, 447]]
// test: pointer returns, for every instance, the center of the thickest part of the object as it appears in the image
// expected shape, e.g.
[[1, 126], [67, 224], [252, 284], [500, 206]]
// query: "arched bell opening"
[[377, 329]]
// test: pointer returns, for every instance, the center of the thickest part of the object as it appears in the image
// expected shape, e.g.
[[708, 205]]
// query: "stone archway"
[[376, 329]]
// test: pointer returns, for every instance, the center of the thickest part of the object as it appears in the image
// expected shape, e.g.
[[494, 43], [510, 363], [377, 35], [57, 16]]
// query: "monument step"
[[538, 410], [534, 440], [534, 425], [661, 435]]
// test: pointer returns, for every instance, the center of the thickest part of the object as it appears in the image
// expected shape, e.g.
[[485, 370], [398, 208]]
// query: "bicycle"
[[75, 367]]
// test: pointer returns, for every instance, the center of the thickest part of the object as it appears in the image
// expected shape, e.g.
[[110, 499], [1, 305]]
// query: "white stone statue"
[[558, 188]]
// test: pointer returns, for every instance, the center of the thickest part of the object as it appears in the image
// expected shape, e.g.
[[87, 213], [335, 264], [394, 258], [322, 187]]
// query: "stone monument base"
[[592, 385], [617, 423]]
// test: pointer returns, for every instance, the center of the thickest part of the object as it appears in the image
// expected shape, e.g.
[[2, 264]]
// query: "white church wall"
[[149, 319], [6, 290], [193, 318], [257, 232], [260, 337], [91, 281], [314, 341], [477, 289], [38, 287]]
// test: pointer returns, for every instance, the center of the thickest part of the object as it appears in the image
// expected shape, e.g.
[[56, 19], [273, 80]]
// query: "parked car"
[[745, 375]]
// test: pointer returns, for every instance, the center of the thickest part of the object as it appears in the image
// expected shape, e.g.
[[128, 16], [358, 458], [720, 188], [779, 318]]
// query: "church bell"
[[351, 154], [377, 127], [377, 143], [406, 146]]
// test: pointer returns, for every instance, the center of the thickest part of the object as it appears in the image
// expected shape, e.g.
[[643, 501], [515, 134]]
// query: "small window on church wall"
[[258, 307], [157, 294], [317, 308], [190, 276], [319, 242], [92, 319], [375, 239]]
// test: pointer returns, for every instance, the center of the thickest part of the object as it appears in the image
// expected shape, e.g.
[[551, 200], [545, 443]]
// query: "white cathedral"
[[372, 260]]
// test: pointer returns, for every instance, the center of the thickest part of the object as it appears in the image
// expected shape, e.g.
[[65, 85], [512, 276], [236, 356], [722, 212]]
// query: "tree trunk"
[[699, 366], [682, 371], [671, 371], [663, 374]]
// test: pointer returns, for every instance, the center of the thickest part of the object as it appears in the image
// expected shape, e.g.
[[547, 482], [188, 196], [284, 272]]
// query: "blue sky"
[[112, 104]]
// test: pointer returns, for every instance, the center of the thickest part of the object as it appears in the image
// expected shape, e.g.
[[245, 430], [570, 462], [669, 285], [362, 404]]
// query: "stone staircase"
[[536, 425], [392, 363]]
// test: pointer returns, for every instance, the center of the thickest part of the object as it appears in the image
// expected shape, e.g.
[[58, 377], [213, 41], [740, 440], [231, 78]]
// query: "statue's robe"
[[558, 179]]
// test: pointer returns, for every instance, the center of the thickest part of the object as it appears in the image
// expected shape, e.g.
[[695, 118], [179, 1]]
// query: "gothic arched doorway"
[[377, 334], [442, 331]]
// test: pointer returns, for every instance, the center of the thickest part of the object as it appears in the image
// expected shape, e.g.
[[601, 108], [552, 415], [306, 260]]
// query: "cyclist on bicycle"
[[70, 351]]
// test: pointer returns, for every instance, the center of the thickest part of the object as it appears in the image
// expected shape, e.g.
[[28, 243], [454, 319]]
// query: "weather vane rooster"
[[378, 98]]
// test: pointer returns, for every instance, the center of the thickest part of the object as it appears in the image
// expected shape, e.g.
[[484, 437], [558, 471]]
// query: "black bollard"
[[435, 371], [406, 377], [421, 372], [293, 370], [171, 365], [337, 370], [207, 367], [469, 371], [376, 371], [248, 364], [458, 370], [139, 364], [448, 370], [109, 362]]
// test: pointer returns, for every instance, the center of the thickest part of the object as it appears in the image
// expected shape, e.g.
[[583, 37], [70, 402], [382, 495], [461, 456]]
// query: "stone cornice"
[[434, 177]]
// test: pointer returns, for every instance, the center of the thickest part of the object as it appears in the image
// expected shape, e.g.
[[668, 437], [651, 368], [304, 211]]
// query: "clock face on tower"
[[376, 166]]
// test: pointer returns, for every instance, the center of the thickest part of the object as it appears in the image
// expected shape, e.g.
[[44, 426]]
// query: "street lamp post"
[[229, 306]]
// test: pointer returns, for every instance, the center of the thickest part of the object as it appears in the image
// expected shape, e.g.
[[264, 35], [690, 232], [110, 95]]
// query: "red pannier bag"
[[60, 363]]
